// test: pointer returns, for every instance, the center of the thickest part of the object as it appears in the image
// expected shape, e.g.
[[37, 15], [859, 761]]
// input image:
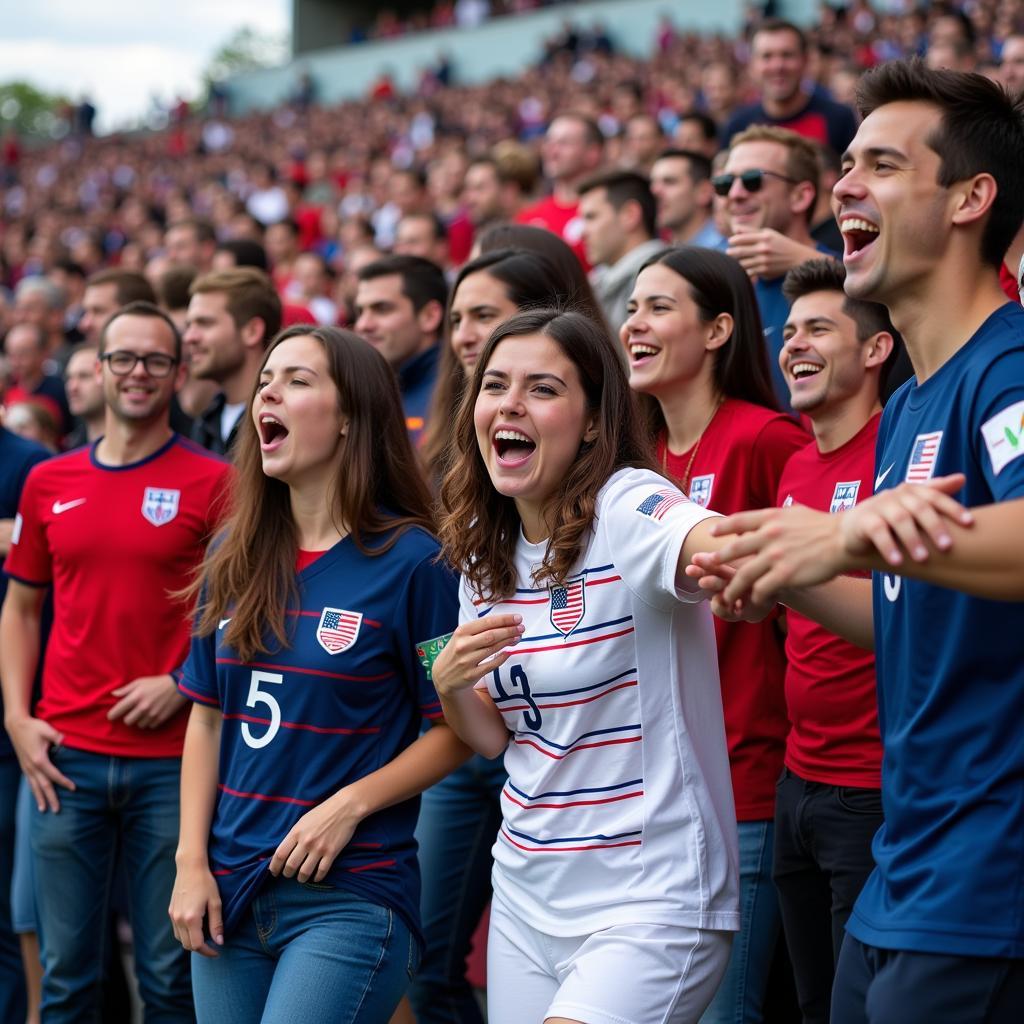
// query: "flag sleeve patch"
[[1004, 436], [428, 650]]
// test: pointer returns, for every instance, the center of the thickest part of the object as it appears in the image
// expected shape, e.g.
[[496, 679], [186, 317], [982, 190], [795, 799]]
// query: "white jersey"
[[618, 807]]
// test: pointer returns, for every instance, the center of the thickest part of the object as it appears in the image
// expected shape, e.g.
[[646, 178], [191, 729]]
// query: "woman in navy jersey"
[[319, 609], [583, 655], [698, 359]]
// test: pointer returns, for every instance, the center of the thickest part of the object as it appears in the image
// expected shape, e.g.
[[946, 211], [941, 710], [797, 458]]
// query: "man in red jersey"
[[828, 801], [115, 529], [573, 149]]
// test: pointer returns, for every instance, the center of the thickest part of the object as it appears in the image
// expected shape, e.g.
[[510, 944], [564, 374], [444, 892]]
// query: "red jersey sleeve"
[[779, 439], [28, 560]]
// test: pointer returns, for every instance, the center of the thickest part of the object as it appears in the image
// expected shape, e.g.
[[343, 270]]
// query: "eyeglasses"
[[156, 364], [751, 180]]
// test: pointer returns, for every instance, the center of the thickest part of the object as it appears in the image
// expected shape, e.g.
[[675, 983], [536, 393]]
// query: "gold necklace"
[[685, 483]]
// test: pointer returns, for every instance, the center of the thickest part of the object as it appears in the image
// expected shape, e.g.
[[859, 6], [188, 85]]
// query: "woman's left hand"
[[315, 840]]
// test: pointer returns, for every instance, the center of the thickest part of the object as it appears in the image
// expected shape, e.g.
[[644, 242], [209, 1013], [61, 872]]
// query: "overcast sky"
[[122, 53]]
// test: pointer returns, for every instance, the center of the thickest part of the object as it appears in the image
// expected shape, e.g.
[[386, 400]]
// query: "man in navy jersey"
[[114, 528], [930, 199]]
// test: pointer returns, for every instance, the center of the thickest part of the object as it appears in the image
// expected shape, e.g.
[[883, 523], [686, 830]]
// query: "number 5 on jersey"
[[258, 696]]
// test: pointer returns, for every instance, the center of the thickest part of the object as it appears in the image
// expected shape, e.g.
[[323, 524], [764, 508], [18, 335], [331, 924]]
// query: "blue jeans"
[[459, 819], [307, 953], [12, 977], [740, 997], [120, 803]]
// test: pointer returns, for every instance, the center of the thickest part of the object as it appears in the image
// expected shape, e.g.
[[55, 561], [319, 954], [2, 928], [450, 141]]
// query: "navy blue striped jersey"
[[344, 699]]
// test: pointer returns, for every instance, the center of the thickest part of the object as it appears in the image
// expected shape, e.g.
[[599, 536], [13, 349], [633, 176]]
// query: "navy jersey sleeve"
[[999, 425], [429, 613], [198, 677]]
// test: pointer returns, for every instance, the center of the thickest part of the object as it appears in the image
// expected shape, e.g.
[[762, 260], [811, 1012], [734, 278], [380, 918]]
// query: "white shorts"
[[626, 974]]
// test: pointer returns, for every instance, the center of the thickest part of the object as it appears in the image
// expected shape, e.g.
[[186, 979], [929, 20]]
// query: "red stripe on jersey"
[[368, 731], [607, 579], [576, 803], [572, 703], [564, 849], [222, 871], [305, 671], [199, 696], [575, 643], [264, 796], [370, 867], [582, 746]]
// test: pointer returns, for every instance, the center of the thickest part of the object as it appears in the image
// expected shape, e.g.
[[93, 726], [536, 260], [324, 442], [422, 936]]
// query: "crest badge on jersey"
[[1004, 436], [700, 489], [568, 605], [160, 505], [338, 629], [844, 497], [923, 457]]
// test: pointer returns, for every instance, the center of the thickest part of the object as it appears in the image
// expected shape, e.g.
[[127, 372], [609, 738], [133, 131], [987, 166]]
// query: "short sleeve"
[[28, 560], [778, 441], [198, 680], [431, 613], [999, 426], [645, 520]]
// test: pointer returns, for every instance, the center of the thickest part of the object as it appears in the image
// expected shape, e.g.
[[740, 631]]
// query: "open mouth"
[[272, 432], [513, 447], [858, 235], [804, 370], [640, 352]]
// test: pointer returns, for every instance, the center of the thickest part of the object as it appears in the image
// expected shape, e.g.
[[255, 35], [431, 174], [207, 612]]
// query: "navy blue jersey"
[[344, 699], [950, 856]]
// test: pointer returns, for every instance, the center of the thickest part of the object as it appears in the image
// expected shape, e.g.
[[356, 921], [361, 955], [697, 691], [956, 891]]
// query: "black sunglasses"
[[751, 180]]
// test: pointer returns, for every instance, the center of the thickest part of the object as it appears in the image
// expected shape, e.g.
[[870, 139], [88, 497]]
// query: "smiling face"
[[893, 213], [479, 305], [531, 417], [777, 64], [139, 397], [212, 339], [297, 414], [777, 203], [666, 341]]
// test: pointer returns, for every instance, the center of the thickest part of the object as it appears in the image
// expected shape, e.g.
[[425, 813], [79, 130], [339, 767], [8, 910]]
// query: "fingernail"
[[920, 552], [945, 540], [895, 557]]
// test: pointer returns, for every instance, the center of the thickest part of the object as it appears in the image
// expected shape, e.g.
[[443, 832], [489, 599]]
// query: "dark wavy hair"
[[249, 572], [718, 284], [480, 528]]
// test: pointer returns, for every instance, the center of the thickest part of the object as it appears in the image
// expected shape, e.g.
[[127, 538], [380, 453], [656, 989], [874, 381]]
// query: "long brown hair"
[[249, 572], [479, 527]]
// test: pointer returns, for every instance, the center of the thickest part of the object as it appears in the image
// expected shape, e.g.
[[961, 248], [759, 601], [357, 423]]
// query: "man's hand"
[[32, 739], [767, 253], [147, 702], [713, 577]]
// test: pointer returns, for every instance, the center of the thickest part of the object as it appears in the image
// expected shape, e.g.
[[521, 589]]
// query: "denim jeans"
[[119, 803], [307, 953], [459, 819], [740, 997], [12, 978], [822, 859]]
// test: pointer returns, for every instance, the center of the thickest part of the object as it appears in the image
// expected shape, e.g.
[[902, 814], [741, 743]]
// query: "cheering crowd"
[[593, 496]]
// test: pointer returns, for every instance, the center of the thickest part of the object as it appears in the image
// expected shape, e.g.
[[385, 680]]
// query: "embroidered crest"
[[844, 496], [700, 489], [568, 605], [338, 629], [160, 505], [428, 650]]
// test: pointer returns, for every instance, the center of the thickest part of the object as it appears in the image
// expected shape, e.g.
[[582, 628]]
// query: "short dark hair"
[[249, 294], [708, 126], [423, 281], [698, 165], [436, 224], [203, 228], [146, 309], [981, 131], [173, 285], [622, 187], [780, 25], [592, 133], [246, 252], [129, 285]]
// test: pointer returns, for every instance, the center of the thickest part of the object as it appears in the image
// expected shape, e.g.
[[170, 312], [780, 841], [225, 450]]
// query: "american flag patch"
[[567, 605], [658, 504], [923, 457], [338, 629]]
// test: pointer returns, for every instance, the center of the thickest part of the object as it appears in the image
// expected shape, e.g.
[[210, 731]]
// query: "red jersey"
[[830, 683], [736, 465], [559, 219], [114, 541]]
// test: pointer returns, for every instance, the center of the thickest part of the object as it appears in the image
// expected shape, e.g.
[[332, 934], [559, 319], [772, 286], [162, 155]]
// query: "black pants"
[[822, 859]]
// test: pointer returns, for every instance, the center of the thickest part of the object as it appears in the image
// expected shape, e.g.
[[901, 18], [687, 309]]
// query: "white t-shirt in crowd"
[[619, 805]]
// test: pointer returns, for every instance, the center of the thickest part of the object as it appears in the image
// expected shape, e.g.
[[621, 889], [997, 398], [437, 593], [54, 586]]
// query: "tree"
[[30, 111], [245, 50]]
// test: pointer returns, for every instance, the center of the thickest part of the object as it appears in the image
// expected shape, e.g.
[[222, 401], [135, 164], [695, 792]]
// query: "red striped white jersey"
[[618, 806]]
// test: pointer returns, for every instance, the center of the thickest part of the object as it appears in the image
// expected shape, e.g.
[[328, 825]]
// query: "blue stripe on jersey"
[[584, 572], [576, 632], [569, 693], [576, 792], [582, 736], [573, 839]]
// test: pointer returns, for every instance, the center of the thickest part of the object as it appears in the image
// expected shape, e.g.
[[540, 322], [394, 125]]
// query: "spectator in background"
[[84, 389], [681, 185], [232, 316], [190, 241], [34, 422], [240, 252], [282, 246], [267, 202], [696, 132], [573, 149], [642, 141], [1011, 65], [424, 235], [718, 90], [40, 302], [778, 66], [106, 292], [488, 196], [619, 216], [312, 285], [25, 348], [399, 307]]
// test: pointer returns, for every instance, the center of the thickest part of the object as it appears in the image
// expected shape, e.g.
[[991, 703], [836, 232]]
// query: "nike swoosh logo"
[[63, 506], [223, 623], [880, 479]]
